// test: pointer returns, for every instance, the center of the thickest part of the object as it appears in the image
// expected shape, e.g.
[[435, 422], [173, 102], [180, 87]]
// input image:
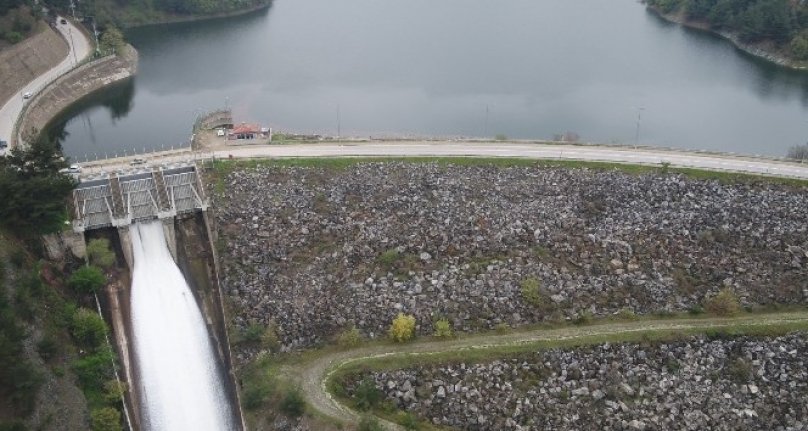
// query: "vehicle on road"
[[74, 169], [62, 21], [138, 161], [27, 95]]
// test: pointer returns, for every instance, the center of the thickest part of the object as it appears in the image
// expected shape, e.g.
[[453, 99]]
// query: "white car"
[[74, 169], [219, 132], [27, 95]]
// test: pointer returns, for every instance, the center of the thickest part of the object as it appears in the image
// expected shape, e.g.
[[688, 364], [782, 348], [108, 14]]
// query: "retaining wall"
[[71, 87]]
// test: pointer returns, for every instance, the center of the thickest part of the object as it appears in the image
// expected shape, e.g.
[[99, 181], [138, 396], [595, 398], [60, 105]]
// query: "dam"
[[166, 314]]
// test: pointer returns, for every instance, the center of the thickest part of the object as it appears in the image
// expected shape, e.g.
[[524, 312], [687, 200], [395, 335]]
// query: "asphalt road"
[[79, 48], [647, 156]]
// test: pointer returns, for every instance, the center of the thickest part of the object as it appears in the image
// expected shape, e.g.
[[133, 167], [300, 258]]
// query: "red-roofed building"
[[245, 131]]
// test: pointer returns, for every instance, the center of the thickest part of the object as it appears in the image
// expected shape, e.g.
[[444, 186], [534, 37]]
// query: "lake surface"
[[473, 68]]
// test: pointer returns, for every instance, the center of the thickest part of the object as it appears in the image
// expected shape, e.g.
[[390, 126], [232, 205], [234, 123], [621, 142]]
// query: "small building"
[[249, 132]]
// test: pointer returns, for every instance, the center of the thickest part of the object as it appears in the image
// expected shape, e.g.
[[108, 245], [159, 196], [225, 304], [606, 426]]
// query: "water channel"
[[179, 380], [521, 68]]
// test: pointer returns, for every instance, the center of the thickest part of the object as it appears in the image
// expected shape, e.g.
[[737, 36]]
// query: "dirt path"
[[312, 375]]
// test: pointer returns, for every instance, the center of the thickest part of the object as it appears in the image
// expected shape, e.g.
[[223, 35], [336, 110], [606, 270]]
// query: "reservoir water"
[[179, 381], [475, 68]]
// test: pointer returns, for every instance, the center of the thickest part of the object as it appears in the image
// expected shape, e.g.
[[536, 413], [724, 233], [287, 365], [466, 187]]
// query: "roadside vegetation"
[[50, 306], [128, 13], [782, 23], [18, 20]]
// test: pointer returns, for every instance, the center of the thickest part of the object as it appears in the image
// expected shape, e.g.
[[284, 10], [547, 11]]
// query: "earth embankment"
[[21, 63], [311, 251]]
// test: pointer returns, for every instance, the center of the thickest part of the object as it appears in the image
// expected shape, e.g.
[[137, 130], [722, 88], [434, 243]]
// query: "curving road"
[[312, 375], [79, 47]]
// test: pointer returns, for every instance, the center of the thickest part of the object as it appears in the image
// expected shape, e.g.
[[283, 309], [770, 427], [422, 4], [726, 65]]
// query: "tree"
[[99, 253], [106, 419], [88, 328], [403, 328], [87, 279], [112, 41], [293, 403], [32, 190]]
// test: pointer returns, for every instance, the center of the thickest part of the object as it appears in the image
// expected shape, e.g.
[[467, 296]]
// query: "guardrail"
[[16, 134]]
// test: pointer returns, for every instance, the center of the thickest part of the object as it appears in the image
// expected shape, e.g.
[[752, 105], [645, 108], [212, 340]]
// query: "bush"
[[388, 258], [408, 421], [88, 328], [725, 303], [369, 423], [403, 328], [350, 337], [87, 279], [740, 370], [532, 294], [293, 404], [94, 369], [443, 329], [99, 253], [106, 419], [255, 395], [367, 395], [114, 391]]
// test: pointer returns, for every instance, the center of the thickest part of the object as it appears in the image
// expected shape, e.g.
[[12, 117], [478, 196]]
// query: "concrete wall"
[[21, 63], [71, 87]]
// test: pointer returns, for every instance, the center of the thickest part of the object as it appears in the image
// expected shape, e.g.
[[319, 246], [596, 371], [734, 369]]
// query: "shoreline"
[[753, 50], [175, 19]]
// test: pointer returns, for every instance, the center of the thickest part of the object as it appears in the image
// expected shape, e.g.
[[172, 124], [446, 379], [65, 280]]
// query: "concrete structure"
[[120, 199]]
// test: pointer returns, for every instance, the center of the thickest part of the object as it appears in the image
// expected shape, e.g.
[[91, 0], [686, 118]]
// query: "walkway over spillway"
[[121, 198]]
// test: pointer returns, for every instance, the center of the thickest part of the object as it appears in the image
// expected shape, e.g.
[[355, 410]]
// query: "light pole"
[[72, 45], [639, 120]]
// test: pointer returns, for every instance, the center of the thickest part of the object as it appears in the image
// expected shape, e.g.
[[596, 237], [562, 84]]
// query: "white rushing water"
[[181, 387]]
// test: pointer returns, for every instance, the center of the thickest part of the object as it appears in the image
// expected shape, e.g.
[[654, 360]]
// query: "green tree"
[[87, 279], [99, 253], [106, 419], [112, 41], [293, 403], [88, 328], [367, 395], [33, 191]]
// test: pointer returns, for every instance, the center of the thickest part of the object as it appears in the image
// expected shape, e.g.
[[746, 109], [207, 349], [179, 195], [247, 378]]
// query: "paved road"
[[312, 375], [79, 48], [529, 150], [647, 156]]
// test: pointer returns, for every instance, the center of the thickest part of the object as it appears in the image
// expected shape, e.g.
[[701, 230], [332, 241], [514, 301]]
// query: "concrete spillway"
[[180, 383]]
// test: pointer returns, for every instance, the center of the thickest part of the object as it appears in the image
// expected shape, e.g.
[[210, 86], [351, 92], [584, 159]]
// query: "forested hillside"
[[782, 23], [125, 13]]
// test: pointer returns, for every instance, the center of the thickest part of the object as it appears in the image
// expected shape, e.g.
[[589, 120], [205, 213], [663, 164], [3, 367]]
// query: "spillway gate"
[[121, 198]]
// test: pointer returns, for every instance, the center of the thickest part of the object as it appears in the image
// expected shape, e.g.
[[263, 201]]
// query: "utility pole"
[[639, 119], [73, 8], [339, 123], [485, 130]]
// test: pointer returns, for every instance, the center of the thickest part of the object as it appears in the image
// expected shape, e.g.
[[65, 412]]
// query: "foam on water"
[[181, 386]]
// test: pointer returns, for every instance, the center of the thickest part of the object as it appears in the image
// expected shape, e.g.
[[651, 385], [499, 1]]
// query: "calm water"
[[522, 68]]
